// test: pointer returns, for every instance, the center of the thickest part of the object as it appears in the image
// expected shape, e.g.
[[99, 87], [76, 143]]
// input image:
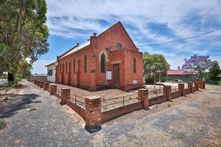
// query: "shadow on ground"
[[16, 102]]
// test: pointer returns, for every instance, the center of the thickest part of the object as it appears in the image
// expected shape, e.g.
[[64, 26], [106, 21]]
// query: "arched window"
[[66, 65], [103, 63], [118, 45], [85, 63], [74, 66], [134, 65]]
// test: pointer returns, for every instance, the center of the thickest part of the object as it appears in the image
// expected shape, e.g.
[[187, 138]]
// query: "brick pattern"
[[167, 92], [65, 95], [53, 89], [190, 87], [93, 107], [114, 113], [46, 86], [143, 98], [181, 89], [158, 100], [201, 84], [196, 83], [175, 94]]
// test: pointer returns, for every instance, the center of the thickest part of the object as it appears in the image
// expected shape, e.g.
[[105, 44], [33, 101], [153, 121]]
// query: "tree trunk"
[[201, 75], [192, 76], [10, 78], [154, 79], [160, 77]]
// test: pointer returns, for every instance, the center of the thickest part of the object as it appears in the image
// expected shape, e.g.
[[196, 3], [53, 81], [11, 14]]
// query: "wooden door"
[[116, 75]]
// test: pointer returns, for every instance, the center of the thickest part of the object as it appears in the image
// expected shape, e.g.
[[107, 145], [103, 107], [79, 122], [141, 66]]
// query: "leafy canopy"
[[197, 63], [23, 32], [214, 71], [154, 63]]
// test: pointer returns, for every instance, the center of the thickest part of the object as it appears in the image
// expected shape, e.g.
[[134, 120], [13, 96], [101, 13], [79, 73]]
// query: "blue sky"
[[147, 22]]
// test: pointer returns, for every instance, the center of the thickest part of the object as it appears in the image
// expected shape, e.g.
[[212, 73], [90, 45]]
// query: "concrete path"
[[193, 120]]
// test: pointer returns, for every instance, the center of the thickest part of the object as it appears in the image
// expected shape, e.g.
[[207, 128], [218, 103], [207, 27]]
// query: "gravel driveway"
[[193, 120]]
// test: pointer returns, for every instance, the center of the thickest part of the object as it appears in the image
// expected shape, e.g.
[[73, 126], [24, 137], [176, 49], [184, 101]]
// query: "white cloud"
[[185, 18]]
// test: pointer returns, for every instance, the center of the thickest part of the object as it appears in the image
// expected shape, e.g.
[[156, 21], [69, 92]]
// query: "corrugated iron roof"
[[178, 72]]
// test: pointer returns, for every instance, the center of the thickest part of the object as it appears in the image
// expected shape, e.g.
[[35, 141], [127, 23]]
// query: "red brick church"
[[108, 60]]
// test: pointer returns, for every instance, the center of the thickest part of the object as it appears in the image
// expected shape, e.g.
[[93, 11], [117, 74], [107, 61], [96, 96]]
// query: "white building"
[[51, 74]]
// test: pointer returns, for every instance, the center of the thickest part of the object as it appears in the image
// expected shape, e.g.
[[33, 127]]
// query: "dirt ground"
[[193, 120]]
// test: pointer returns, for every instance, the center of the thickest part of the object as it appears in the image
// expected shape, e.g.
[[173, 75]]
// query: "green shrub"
[[2, 124]]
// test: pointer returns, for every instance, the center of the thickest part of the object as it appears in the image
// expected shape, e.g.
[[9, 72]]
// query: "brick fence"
[[90, 108]]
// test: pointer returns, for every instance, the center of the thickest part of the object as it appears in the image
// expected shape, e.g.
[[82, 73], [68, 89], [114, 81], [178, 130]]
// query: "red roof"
[[178, 72]]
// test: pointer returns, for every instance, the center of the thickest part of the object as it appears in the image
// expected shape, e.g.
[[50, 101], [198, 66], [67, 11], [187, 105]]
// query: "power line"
[[179, 40]]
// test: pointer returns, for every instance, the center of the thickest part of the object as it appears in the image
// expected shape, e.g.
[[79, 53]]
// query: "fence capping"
[[93, 97]]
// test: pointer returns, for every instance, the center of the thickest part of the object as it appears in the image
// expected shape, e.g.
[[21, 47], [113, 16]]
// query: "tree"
[[197, 63], [154, 64], [214, 71], [23, 32]]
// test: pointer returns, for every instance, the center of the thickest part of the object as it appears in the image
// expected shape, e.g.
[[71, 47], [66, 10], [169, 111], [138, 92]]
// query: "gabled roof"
[[82, 46], [51, 64], [178, 72], [75, 49]]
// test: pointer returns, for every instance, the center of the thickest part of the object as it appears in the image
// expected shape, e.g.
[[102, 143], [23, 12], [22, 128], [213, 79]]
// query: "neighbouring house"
[[180, 74], [38, 77], [51, 72], [108, 60]]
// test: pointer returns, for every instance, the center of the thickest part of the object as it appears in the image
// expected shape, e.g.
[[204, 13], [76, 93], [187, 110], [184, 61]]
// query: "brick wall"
[[109, 115], [176, 94], [81, 111], [157, 100]]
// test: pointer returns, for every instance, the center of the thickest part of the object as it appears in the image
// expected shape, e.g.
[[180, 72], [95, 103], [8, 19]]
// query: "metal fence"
[[158, 91], [78, 100], [116, 102], [59, 91], [174, 89]]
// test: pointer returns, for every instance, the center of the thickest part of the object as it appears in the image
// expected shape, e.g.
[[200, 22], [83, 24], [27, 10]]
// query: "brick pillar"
[[181, 89], [46, 86], [196, 83], [167, 92], [41, 84], [93, 119], [53, 89], [200, 84], [143, 98], [65, 94], [203, 84], [190, 87], [37, 83]]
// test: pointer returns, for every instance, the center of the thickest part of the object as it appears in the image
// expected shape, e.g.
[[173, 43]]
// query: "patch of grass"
[[218, 82], [8, 85], [2, 124]]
